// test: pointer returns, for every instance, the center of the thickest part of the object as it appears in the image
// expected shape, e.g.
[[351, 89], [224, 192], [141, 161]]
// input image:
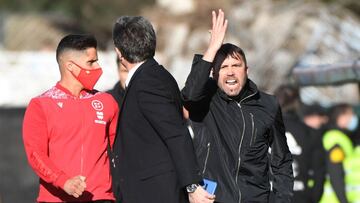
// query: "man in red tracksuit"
[[67, 129]]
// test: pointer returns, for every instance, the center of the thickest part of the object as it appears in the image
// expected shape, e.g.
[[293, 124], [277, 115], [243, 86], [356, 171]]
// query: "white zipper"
[[82, 144], [206, 159], [252, 128], [239, 158], [82, 158], [241, 141]]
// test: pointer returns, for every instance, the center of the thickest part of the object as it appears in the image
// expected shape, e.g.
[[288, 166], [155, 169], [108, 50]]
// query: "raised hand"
[[217, 35]]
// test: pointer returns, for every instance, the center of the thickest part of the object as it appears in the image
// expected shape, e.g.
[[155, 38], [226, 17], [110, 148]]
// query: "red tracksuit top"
[[66, 136]]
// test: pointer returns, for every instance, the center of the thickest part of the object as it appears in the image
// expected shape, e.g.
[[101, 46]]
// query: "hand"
[[75, 186], [201, 196], [219, 26]]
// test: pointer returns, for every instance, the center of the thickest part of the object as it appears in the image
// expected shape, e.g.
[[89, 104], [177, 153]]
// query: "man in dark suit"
[[155, 160]]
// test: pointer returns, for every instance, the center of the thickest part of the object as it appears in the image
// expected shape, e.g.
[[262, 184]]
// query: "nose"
[[230, 71], [95, 65]]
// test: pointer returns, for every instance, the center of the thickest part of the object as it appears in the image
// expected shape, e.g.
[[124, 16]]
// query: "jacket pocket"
[[253, 130], [206, 157]]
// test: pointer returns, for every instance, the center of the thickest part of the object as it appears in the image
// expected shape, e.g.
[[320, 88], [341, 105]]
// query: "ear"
[[247, 70], [69, 66], [118, 53], [123, 61]]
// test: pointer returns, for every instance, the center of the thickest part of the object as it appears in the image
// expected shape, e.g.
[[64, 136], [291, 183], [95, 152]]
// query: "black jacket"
[[233, 136], [308, 163], [117, 92], [153, 148], [318, 165]]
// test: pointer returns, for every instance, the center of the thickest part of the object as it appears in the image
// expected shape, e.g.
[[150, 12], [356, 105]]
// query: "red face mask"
[[88, 78]]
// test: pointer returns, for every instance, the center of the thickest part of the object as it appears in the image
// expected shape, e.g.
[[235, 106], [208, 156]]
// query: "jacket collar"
[[83, 93], [249, 90], [148, 63], [131, 73]]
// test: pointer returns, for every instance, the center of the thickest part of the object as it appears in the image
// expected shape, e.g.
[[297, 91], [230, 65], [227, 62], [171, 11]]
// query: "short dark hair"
[[225, 51], [77, 42], [314, 109], [135, 37]]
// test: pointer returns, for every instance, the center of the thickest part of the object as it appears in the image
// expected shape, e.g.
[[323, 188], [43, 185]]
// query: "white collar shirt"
[[131, 73]]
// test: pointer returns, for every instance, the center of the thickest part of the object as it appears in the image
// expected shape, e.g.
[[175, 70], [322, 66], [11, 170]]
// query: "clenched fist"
[[75, 186]]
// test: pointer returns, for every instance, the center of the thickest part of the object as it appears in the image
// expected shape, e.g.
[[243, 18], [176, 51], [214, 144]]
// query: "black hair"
[[135, 37], [313, 109], [78, 42], [225, 51]]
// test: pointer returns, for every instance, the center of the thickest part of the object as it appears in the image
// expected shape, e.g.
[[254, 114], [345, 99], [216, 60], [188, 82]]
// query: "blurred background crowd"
[[311, 45]]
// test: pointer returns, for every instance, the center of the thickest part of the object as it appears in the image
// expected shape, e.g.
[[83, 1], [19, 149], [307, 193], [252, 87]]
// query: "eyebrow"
[[92, 60], [239, 63]]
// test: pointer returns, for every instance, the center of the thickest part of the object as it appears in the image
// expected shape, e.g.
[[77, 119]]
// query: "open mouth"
[[231, 82]]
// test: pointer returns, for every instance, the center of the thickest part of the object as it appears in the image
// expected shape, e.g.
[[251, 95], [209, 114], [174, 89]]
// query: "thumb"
[[209, 196], [83, 178]]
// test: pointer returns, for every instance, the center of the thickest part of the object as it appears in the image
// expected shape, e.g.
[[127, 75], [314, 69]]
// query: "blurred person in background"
[[118, 91], [342, 157], [66, 129], [235, 124], [302, 144], [155, 159], [316, 118]]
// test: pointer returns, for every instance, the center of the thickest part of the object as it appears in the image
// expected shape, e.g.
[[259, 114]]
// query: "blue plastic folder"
[[209, 186]]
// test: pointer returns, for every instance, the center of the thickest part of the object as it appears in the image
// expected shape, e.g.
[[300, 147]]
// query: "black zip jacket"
[[233, 136]]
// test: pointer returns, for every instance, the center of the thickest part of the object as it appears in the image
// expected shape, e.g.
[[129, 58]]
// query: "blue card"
[[209, 186]]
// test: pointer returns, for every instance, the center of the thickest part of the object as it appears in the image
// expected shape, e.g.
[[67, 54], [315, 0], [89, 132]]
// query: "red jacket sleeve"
[[36, 140]]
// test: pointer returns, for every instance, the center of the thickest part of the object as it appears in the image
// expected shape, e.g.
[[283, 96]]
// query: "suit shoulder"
[[157, 76], [158, 70]]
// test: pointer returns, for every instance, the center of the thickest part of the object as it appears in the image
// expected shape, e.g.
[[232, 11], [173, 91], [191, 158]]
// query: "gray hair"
[[135, 37]]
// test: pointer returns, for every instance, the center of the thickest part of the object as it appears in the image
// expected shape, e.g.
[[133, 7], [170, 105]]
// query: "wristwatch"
[[191, 188]]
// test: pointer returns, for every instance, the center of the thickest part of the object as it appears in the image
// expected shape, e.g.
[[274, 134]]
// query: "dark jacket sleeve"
[[161, 107], [318, 165], [196, 86], [281, 161], [337, 177]]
